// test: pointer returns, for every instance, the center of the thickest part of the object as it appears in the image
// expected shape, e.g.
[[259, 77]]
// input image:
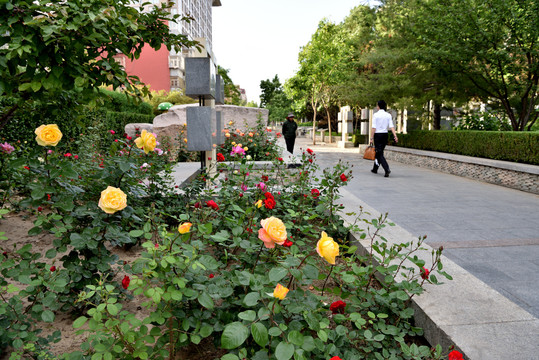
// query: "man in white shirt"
[[381, 122]]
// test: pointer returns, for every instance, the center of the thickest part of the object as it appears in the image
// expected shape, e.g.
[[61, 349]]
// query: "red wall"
[[151, 68]]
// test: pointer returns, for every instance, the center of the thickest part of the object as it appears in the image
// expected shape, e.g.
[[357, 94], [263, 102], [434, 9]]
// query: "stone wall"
[[518, 176], [170, 123]]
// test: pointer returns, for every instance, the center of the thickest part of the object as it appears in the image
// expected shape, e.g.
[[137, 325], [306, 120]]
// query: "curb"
[[465, 312]]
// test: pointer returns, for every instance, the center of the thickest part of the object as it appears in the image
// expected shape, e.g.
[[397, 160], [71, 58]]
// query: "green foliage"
[[498, 145], [173, 97], [260, 143], [123, 102], [275, 100], [488, 120], [232, 92], [215, 279], [49, 48]]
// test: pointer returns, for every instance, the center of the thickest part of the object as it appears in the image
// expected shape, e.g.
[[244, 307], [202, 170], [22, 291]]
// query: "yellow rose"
[[48, 135], [146, 141], [258, 204], [272, 232], [246, 148], [227, 135], [112, 200], [280, 292], [184, 228], [327, 248]]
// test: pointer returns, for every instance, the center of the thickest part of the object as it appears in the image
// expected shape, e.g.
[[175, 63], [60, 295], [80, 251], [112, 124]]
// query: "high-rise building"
[[165, 70]]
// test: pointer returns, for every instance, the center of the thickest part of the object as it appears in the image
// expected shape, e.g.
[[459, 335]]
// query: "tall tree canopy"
[[492, 47], [232, 93], [274, 99], [49, 47]]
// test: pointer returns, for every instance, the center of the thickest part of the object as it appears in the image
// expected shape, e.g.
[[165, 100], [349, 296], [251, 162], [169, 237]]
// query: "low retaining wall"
[[518, 176]]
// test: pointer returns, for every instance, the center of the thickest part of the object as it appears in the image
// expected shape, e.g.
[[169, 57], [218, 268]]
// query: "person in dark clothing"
[[381, 123], [289, 132]]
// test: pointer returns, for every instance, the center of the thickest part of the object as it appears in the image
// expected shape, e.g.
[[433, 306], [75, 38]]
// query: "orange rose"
[[273, 232], [184, 228]]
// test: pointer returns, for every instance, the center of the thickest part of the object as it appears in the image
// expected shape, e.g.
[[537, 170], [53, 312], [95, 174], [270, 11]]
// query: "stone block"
[[199, 128], [131, 129], [200, 78], [219, 90]]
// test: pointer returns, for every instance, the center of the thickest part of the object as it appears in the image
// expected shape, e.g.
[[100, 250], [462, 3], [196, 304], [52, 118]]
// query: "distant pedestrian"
[[289, 132], [381, 122]]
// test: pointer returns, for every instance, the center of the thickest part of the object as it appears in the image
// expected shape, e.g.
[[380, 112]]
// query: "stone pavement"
[[490, 233]]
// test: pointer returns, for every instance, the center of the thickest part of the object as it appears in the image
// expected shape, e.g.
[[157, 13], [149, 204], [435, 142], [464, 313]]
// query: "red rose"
[[53, 268], [197, 205], [315, 193], [265, 178], [280, 159], [454, 355], [310, 151], [344, 178], [241, 194], [424, 273], [67, 154], [39, 208], [337, 307], [287, 243], [335, 358], [76, 157], [4, 253], [268, 195], [212, 204], [220, 157], [125, 282], [27, 167], [211, 276], [269, 203], [310, 160]]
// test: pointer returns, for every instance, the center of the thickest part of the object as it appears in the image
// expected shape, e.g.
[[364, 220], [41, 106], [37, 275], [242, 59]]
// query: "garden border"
[[513, 175]]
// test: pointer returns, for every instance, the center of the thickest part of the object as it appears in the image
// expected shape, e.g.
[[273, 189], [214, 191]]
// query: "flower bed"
[[257, 268]]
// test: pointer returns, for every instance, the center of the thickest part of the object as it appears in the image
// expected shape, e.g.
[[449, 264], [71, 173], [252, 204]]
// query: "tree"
[[493, 48], [50, 47], [274, 99], [269, 89], [232, 92]]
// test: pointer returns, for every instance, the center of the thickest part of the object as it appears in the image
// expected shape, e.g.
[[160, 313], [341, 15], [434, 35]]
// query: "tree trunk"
[[314, 124], [329, 125], [437, 119]]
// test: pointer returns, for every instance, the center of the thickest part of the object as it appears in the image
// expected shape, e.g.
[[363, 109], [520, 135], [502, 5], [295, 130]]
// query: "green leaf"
[[230, 357], [260, 334], [251, 299], [234, 335], [205, 300], [79, 322], [248, 315], [277, 274], [112, 309], [205, 330], [37, 193], [295, 337], [136, 233], [50, 254], [284, 351], [47, 316]]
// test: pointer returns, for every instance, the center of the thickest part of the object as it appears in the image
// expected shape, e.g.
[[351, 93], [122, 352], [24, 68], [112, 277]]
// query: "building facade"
[[163, 69]]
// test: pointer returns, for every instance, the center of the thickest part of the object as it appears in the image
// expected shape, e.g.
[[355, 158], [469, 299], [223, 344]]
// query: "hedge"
[[513, 146], [72, 123]]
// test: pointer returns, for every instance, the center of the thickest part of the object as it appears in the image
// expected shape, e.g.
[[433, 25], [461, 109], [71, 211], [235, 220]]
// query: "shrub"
[[499, 145]]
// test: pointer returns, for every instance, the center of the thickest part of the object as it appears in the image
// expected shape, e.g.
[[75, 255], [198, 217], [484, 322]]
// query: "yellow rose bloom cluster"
[[327, 248], [112, 200], [280, 292], [184, 228], [146, 141], [48, 135], [272, 232]]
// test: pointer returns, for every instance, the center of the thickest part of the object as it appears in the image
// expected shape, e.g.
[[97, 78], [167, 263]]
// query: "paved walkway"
[[489, 230]]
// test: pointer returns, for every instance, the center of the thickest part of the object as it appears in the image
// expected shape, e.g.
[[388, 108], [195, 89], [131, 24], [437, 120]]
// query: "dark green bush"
[[120, 102], [514, 146]]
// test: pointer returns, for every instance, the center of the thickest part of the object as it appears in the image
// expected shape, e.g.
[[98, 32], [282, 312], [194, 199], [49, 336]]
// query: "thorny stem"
[[325, 281], [257, 256]]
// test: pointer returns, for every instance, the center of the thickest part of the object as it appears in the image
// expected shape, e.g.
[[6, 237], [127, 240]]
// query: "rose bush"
[[255, 281]]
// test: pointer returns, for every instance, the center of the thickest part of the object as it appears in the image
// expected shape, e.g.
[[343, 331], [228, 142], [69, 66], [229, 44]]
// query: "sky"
[[258, 39]]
